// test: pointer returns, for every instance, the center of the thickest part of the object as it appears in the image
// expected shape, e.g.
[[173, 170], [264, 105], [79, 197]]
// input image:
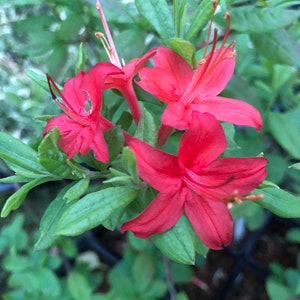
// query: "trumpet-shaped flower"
[[185, 90], [82, 126], [195, 182]]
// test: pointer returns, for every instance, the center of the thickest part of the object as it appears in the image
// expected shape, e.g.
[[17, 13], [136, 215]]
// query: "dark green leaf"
[[185, 49], [177, 243], [179, 10], [253, 19], [16, 199], [158, 14], [93, 209], [278, 47], [202, 15], [57, 60], [20, 157], [279, 202]]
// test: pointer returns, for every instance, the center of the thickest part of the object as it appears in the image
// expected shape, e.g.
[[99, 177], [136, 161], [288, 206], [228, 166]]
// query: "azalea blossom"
[[195, 182], [172, 80], [82, 126], [123, 80]]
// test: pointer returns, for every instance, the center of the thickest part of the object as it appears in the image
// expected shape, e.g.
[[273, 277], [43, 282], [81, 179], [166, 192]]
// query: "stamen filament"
[[113, 51]]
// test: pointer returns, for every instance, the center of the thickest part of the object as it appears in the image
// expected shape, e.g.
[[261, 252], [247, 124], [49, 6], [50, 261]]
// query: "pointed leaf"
[[202, 15], [17, 198], [278, 47], [279, 202], [80, 59], [79, 287], [93, 209], [40, 79], [177, 243], [158, 14], [129, 163], [20, 157], [185, 49], [253, 19], [50, 219], [77, 189]]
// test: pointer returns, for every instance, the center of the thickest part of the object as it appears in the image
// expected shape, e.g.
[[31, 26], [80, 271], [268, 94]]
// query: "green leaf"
[[79, 287], [129, 163], [77, 189], [146, 130], [179, 10], [17, 198], [158, 14], [20, 157], [278, 47], [202, 15], [286, 131], [50, 219], [279, 202], [257, 20], [80, 59], [55, 161], [40, 79], [93, 209], [177, 243], [276, 290], [185, 49]]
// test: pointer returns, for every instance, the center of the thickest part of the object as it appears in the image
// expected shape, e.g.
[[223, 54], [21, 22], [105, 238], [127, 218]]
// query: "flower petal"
[[211, 76], [162, 213], [230, 110], [211, 220], [170, 77], [156, 167], [176, 115], [243, 175], [202, 143], [178, 68]]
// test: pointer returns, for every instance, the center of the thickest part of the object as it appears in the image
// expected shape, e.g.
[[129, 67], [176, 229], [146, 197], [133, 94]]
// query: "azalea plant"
[[145, 145]]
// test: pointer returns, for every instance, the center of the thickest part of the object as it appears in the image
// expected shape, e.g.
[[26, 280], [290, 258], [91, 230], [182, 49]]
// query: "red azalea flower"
[[123, 82], [82, 126], [173, 81], [195, 182]]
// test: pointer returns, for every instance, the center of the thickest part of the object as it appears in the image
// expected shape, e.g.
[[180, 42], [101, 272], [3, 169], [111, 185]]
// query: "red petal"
[[162, 213], [172, 62], [211, 220], [176, 115], [170, 77], [160, 83], [156, 167], [203, 142], [210, 78], [230, 110], [244, 175]]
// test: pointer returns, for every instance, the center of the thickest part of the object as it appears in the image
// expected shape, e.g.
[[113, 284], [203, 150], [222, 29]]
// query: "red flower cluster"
[[196, 181]]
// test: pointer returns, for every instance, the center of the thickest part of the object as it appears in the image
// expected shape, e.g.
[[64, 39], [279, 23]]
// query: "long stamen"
[[106, 46], [214, 7], [114, 53], [234, 197], [63, 105]]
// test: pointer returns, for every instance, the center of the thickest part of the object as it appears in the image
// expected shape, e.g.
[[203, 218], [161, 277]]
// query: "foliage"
[[57, 37]]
